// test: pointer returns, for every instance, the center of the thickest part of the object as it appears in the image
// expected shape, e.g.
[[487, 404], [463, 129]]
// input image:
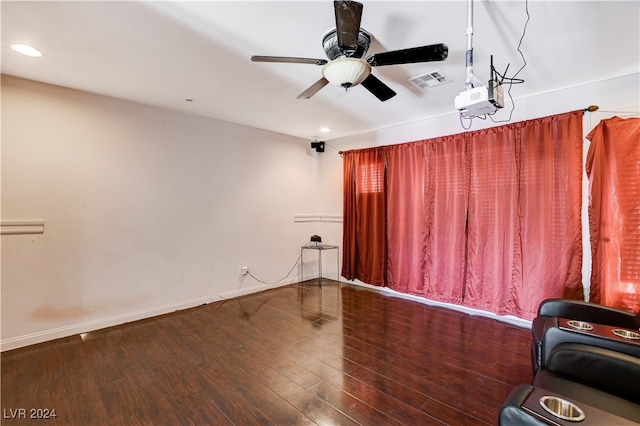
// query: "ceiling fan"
[[346, 45]]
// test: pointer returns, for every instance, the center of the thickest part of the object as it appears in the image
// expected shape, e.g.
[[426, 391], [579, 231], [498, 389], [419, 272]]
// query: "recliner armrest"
[[511, 412], [585, 311]]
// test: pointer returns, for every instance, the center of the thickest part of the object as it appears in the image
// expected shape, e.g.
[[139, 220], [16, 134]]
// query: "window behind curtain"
[[370, 178]]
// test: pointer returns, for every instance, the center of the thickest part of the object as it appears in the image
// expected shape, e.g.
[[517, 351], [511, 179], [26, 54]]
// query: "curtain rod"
[[590, 108], [596, 108]]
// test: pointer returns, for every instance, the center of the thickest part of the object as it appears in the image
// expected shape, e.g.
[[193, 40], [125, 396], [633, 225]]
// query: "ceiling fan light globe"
[[346, 72]]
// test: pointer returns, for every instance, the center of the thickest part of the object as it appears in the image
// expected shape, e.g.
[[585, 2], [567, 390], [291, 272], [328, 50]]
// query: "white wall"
[[145, 210]]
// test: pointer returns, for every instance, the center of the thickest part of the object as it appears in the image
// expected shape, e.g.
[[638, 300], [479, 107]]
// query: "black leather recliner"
[[547, 333], [590, 365], [589, 312], [604, 383]]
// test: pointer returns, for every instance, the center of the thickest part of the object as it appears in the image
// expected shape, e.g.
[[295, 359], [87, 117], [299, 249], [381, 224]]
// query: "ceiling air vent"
[[430, 79]]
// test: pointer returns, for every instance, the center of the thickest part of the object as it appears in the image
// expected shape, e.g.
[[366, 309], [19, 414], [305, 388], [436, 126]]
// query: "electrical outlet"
[[244, 270]]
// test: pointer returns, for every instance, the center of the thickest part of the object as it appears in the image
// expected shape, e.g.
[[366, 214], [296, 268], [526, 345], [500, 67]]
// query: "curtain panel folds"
[[613, 169], [487, 219]]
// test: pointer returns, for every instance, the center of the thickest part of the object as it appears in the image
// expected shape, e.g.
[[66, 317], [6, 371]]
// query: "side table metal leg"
[[320, 267]]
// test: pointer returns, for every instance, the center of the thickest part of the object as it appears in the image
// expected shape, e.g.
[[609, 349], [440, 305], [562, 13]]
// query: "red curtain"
[[494, 252], [364, 209], [406, 212], [525, 236], [487, 219], [613, 168], [426, 220], [446, 218]]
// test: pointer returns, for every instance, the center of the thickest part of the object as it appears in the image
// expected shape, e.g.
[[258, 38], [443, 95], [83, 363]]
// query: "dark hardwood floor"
[[285, 357]]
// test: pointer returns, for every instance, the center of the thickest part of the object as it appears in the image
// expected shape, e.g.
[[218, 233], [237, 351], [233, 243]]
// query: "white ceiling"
[[161, 53]]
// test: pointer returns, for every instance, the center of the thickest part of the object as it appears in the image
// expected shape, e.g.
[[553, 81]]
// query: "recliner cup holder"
[[626, 334], [562, 409], [580, 325]]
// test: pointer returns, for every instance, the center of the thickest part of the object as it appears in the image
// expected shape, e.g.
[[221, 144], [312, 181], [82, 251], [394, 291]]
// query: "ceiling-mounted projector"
[[480, 100]]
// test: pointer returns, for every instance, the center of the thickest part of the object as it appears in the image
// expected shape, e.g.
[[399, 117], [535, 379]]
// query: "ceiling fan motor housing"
[[333, 51]]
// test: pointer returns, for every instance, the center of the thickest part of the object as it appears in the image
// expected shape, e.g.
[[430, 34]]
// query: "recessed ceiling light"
[[324, 130], [27, 50]]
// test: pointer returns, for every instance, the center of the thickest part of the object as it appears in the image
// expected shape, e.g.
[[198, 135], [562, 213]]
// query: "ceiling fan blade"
[[257, 58], [348, 16], [315, 88], [431, 53], [378, 88]]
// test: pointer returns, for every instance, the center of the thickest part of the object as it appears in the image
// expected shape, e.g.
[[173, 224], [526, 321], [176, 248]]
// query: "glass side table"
[[319, 249]]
